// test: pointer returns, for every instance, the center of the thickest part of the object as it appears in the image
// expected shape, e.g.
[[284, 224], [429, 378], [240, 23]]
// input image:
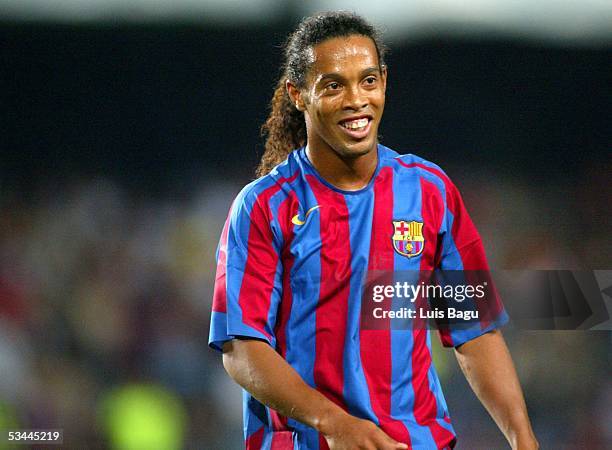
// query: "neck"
[[346, 173]]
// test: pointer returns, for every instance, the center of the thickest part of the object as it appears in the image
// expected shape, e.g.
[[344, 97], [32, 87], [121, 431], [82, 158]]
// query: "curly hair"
[[285, 128]]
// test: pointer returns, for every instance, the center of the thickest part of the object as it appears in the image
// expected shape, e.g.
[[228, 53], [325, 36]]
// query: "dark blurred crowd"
[[105, 299]]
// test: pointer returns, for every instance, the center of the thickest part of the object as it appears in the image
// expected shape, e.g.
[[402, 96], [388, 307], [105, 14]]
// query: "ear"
[[295, 95], [383, 75]]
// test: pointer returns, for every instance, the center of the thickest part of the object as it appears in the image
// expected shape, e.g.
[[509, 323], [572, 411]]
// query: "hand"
[[346, 432]]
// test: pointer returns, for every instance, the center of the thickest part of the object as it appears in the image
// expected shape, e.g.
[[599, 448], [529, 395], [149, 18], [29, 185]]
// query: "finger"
[[395, 445], [392, 444]]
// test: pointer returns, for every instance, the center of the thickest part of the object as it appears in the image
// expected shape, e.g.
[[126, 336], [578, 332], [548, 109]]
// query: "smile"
[[356, 124], [356, 128]]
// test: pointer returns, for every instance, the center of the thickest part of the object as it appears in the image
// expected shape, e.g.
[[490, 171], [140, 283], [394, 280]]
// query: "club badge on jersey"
[[408, 238]]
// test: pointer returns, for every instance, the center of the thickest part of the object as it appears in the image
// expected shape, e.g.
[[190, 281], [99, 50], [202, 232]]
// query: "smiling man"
[[331, 206]]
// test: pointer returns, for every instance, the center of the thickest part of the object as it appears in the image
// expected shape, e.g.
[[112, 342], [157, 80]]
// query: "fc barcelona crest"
[[408, 238]]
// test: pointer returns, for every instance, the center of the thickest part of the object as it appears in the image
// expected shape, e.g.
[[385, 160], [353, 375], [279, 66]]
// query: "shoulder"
[[261, 190], [410, 163]]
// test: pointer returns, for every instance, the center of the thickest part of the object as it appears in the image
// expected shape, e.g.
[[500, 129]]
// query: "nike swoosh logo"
[[295, 220]]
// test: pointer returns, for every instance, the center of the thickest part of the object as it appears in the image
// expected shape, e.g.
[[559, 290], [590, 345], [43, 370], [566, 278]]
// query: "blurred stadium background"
[[128, 126]]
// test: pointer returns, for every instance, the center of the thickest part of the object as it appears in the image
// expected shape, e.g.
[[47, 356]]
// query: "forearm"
[[488, 367], [270, 379]]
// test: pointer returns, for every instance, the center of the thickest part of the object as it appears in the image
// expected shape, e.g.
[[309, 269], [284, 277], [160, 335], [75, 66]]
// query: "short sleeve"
[[463, 262], [247, 289]]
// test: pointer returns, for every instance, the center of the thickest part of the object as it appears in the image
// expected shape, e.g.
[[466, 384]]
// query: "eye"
[[370, 81], [333, 86]]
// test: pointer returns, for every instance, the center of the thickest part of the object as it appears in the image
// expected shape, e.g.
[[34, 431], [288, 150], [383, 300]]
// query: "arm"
[[487, 365], [268, 377]]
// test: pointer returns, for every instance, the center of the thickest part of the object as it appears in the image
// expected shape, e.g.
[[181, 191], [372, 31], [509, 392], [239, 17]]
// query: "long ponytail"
[[284, 130]]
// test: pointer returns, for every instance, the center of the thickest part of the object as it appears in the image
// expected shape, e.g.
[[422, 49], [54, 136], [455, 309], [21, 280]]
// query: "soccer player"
[[327, 210]]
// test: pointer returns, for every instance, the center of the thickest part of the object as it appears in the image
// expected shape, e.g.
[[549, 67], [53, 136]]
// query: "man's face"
[[344, 96]]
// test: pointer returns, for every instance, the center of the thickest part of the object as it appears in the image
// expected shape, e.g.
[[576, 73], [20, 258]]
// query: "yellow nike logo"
[[295, 220]]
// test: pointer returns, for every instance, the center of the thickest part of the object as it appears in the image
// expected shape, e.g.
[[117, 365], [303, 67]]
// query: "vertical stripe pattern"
[[426, 408], [219, 293], [331, 312], [297, 280], [376, 344]]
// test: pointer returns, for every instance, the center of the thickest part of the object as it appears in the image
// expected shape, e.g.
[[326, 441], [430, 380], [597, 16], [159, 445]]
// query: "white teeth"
[[355, 124]]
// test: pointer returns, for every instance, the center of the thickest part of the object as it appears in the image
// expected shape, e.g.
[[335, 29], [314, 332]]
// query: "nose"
[[354, 98]]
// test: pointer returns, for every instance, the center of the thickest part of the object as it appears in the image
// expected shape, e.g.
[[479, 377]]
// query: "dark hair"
[[285, 129]]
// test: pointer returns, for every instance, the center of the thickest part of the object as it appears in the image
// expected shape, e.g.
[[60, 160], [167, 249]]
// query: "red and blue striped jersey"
[[290, 267]]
